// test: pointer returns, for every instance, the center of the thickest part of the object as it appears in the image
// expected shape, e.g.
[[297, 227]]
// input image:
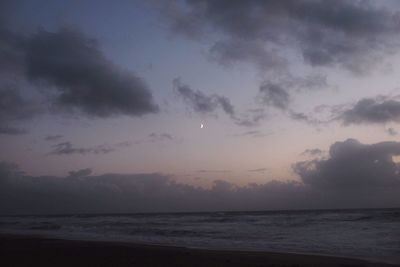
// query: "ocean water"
[[366, 234]]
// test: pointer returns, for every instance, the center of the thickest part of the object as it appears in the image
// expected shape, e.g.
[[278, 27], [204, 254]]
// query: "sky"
[[101, 105]]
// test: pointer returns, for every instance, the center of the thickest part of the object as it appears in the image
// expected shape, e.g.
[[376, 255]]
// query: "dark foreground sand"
[[36, 251]]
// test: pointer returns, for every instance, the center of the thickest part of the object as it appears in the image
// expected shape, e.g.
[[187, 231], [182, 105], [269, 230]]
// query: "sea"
[[371, 234]]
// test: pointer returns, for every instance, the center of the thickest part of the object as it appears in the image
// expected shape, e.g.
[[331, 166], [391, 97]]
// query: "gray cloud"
[[312, 152], [299, 116], [213, 171], [376, 110], [370, 110], [80, 173], [11, 44], [53, 137], [163, 136], [21, 193], [273, 95], [353, 165], [291, 83], [226, 105], [391, 131], [350, 178], [309, 119], [11, 51], [347, 33], [258, 170], [71, 70], [158, 138], [233, 51], [201, 102], [250, 118], [247, 123], [254, 133], [278, 91], [11, 130], [83, 78], [66, 148], [307, 83], [208, 104], [14, 110]]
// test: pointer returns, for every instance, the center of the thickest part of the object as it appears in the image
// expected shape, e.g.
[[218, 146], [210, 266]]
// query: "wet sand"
[[38, 251]]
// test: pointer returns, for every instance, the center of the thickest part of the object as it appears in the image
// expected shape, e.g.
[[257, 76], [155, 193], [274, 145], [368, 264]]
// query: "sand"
[[39, 251]]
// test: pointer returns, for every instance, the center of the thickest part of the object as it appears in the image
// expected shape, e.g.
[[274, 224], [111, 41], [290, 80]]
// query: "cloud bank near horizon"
[[355, 175]]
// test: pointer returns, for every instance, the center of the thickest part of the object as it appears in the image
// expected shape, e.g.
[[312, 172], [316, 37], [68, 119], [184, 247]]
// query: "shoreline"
[[33, 250]]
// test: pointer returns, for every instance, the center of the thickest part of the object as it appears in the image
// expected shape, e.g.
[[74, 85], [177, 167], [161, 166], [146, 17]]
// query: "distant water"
[[367, 234]]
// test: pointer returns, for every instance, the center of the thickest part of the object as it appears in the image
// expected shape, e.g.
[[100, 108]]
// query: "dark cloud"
[[273, 95], [14, 110], [150, 192], [11, 44], [66, 148], [73, 66], [339, 182], [370, 110], [71, 70], [53, 137], [353, 165], [9, 130], [201, 102], [347, 33]]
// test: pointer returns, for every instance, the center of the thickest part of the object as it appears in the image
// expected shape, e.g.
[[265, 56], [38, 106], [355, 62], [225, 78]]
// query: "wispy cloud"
[[67, 148], [258, 170], [53, 137], [214, 171], [159, 138], [254, 133], [391, 131], [202, 103], [312, 152]]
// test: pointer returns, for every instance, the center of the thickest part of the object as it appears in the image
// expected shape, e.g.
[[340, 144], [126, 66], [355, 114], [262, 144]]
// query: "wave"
[[335, 232]]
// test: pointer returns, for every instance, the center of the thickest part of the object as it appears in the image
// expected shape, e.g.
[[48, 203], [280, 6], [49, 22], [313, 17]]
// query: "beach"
[[19, 250]]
